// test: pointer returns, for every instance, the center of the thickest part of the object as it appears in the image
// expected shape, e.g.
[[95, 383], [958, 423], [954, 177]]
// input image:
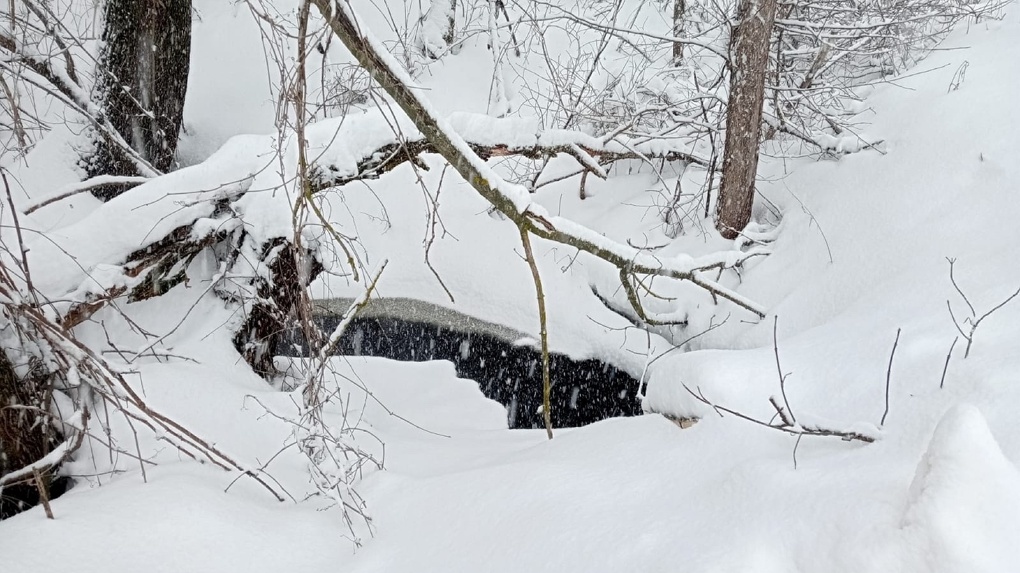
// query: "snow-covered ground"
[[860, 255]]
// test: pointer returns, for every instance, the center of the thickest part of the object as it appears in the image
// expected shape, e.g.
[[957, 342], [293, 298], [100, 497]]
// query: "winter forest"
[[509, 285]]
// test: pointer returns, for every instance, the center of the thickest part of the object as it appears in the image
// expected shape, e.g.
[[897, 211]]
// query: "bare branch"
[[792, 429], [945, 368], [973, 321], [92, 184], [506, 199], [782, 376], [543, 333], [888, 376]]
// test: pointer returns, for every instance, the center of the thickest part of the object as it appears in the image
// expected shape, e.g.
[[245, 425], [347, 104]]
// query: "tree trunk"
[[749, 58], [276, 311], [141, 82], [679, 7]]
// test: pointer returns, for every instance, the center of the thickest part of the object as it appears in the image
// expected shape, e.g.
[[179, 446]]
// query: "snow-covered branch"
[[489, 137], [513, 201], [92, 184]]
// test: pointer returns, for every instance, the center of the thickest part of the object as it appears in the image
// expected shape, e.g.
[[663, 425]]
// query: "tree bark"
[[679, 9], [749, 57], [278, 297], [142, 81]]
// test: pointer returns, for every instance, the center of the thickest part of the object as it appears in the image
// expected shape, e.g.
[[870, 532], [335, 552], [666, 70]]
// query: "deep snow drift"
[[938, 491]]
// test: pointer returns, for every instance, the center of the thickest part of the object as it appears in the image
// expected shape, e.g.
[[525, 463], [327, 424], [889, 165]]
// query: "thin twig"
[[21, 241], [952, 279], [779, 368], [888, 377], [795, 446], [945, 368]]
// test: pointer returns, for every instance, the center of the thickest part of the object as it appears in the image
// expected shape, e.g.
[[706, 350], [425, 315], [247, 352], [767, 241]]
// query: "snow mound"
[[965, 498]]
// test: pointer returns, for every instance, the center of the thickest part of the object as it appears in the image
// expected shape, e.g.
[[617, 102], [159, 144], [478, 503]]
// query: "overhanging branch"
[[511, 201]]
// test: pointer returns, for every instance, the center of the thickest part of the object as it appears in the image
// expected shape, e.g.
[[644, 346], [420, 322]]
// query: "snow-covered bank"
[[938, 492]]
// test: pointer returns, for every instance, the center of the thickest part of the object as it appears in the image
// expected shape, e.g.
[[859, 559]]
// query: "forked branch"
[[968, 325]]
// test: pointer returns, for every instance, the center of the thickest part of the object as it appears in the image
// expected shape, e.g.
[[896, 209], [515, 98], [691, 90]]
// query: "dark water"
[[583, 391]]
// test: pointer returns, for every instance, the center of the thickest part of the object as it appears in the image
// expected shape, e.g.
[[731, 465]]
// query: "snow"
[[141, 218], [939, 491], [967, 528]]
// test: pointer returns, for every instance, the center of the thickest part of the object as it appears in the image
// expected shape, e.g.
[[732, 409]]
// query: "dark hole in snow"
[[583, 391], [23, 496]]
